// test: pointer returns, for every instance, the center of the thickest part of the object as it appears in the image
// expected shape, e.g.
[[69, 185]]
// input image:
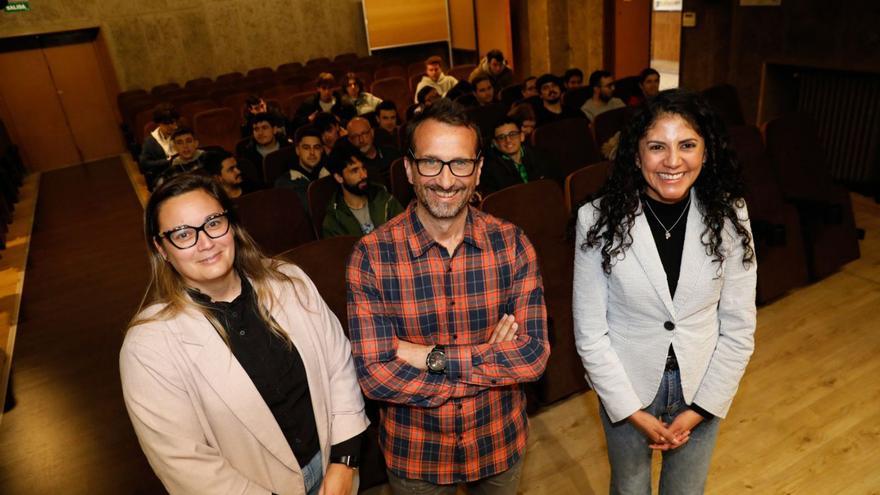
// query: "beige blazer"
[[622, 320], [203, 425]]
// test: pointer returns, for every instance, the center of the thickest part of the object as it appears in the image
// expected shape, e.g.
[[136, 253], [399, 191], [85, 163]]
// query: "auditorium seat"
[[275, 219], [609, 123], [163, 89], [575, 98], [625, 88], [825, 208], [289, 68], [510, 95], [300, 81], [390, 71], [415, 68], [462, 72], [290, 105], [318, 61], [277, 163], [280, 92], [261, 72], [199, 83], [143, 117], [188, 111], [217, 127], [320, 192], [569, 142], [776, 227], [414, 81], [724, 99], [401, 189], [539, 209], [346, 58], [229, 77], [365, 76], [394, 89], [583, 185]]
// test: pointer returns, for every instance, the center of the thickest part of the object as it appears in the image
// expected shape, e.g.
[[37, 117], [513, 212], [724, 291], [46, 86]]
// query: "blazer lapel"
[[693, 256], [231, 382], [645, 250]]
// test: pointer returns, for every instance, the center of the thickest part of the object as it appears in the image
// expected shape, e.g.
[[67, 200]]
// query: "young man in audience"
[[551, 108], [530, 87], [158, 148], [330, 129], [266, 136], [324, 100], [495, 68], [573, 78], [435, 78], [223, 167], [309, 164], [436, 334], [255, 105], [603, 98], [188, 156], [358, 207], [483, 90], [649, 83], [376, 158], [509, 161], [386, 124]]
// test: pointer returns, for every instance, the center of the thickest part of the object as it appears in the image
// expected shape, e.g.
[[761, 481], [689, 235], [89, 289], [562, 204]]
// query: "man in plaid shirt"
[[447, 319]]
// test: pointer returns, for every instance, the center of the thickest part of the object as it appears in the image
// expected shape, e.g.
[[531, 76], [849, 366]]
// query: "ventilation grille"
[[846, 107]]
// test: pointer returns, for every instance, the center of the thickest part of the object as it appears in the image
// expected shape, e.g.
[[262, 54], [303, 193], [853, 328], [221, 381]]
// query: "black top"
[[500, 171], [278, 373], [670, 248]]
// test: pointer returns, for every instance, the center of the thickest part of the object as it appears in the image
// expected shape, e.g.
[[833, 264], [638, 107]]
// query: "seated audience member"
[[551, 108], [435, 78], [524, 115], [358, 207], [266, 137], [484, 91], [325, 100], [377, 158], [158, 149], [649, 83], [255, 105], [386, 121], [330, 129], [573, 78], [223, 167], [308, 167], [530, 87], [362, 101], [509, 161], [603, 98], [425, 98], [495, 68], [188, 157], [460, 89]]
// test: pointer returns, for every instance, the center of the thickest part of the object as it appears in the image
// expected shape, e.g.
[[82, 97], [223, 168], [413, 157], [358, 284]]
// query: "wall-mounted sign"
[[18, 6], [760, 3], [667, 5], [689, 19]]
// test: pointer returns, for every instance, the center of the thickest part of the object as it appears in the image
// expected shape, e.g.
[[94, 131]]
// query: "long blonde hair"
[[167, 287]]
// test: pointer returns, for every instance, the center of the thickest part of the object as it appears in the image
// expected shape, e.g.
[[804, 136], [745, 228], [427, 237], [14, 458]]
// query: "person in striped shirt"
[[447, 320]]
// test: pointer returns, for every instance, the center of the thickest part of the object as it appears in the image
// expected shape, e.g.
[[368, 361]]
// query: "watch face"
[[437, 360]]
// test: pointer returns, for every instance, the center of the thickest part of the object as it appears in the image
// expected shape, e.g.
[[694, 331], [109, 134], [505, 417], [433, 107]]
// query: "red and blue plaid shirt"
[[469, 422]]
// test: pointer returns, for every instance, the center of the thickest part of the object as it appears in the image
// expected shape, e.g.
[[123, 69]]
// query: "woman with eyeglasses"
[[362, 101], [664, 294], [236, 375]]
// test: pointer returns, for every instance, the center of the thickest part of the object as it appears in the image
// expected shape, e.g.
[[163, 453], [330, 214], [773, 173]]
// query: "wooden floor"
[[806, 419]]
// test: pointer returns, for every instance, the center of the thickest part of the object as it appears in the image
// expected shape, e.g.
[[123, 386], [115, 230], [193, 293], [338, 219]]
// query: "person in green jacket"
[[358, 207]]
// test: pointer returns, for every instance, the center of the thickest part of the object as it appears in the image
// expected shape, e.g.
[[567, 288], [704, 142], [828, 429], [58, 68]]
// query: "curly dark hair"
[[719, 187]]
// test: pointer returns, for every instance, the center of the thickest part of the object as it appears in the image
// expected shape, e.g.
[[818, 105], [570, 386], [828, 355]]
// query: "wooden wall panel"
[[35, 111], [632, 44], [83, 93], [665, 36], [461, 14], [405, 22], [493, 27]]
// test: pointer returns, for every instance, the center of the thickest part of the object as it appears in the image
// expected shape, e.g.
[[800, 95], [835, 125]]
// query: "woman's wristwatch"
[[351, 461]]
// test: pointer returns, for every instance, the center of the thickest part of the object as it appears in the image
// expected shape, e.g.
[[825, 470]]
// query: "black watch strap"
[[351, 461]]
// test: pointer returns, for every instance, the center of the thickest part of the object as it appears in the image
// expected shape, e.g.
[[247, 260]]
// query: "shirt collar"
[[420, 241], [200, 297]]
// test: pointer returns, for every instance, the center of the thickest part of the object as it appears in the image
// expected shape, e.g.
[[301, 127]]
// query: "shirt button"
[[460, 407], [452, 303], [494, 381], [669, 325], [241, 332], [235, 314], [454, 337]]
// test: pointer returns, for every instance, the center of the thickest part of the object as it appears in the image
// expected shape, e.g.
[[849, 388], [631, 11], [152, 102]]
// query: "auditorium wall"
[[175, 40], [731, 42]]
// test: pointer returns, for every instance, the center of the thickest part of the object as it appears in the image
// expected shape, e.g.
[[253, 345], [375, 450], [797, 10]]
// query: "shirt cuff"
[[702, 412], [351, 447]]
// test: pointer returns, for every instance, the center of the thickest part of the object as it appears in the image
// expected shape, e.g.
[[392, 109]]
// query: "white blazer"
[[201, 421], [619, 318]]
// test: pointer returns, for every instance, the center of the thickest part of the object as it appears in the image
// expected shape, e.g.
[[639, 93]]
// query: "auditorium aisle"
[[86, 274]]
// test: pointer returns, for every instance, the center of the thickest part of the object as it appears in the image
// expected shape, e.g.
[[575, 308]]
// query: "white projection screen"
[[395, 23]]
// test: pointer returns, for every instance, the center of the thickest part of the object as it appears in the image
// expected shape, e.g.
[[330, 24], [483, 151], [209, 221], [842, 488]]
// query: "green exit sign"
[[18, 6]]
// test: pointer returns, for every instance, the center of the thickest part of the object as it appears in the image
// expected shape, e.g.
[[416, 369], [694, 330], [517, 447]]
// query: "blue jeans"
[[684, 469], [313, 475]]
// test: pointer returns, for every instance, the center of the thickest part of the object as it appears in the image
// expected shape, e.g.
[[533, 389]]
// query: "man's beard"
[[553, 101], [356, 189], [605, 98], [438, 209]]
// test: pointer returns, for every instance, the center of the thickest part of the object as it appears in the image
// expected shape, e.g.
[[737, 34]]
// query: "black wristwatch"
[[436, 360], [351, 461]]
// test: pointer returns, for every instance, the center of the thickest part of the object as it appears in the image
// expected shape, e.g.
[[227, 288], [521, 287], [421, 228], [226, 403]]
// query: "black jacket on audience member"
[[343, 110], [499, 171], [250, 162], [152, 161], [544, 116]]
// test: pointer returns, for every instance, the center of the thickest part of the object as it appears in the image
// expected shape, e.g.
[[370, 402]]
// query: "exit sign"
[[18, 6]]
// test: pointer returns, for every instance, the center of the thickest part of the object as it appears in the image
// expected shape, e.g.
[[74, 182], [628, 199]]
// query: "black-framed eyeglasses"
[[432, 167], [185, 237], [509, 135]]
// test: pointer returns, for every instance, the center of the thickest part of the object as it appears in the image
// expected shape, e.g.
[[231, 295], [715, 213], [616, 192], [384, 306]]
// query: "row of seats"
[[12, 172]]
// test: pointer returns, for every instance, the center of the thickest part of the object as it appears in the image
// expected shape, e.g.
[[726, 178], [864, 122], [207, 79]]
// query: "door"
[[632, 37]]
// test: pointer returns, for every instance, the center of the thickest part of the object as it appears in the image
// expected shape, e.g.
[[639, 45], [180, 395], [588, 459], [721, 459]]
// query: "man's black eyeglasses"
[[432, 167]]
